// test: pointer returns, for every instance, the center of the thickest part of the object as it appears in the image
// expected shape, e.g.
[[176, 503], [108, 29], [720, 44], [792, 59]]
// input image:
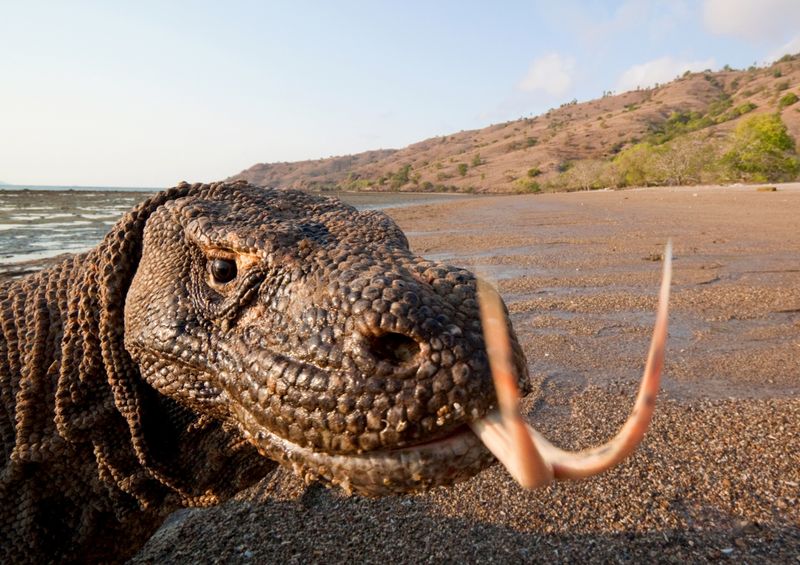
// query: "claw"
[[530, 458]]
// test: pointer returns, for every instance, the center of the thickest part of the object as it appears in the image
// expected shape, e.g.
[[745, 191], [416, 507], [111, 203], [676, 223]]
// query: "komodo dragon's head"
[[314, 329]]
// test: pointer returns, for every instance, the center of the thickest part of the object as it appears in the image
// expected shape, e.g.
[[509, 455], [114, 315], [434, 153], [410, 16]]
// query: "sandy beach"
[[718, 476]]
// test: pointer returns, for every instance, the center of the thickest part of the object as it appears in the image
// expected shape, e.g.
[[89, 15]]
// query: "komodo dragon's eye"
[[223, 270]]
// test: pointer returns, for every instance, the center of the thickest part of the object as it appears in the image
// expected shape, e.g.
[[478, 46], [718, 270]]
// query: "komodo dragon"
[[216, 330]]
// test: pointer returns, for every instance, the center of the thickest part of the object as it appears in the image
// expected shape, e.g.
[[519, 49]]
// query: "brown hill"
[[503, 157]]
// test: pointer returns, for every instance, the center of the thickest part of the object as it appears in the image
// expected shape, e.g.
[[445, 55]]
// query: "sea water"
[[41, 222]]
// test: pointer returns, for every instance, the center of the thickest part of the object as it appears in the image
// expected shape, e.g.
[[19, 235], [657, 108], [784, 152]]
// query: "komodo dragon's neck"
[[89, 447]]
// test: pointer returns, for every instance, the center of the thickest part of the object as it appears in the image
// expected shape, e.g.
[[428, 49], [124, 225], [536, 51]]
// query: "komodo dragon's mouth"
[[447, 460], [529, 457]]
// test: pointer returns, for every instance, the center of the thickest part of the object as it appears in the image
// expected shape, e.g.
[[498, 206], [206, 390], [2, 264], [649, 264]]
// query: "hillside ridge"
[[532, 154]]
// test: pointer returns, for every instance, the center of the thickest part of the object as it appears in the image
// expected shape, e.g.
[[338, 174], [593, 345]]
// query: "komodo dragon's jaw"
[[314, 330]]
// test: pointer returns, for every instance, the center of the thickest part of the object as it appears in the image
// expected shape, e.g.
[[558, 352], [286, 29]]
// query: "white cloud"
[[662, 70], [627, 14], [758, 20], [789, 48], [551, 74], [655, 17]]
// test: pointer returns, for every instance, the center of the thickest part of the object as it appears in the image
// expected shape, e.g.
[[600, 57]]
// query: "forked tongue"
[[525, 453]]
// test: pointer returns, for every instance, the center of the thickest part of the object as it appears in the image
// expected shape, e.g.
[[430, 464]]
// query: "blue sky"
[[152, 93]]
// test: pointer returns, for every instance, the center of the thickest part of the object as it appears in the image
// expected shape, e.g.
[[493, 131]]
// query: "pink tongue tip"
[[525, 453]]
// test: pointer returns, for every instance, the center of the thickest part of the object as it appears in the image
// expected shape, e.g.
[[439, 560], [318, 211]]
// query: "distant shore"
[[76, 188]]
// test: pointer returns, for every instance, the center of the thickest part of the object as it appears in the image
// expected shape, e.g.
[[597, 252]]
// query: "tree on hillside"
[[762, 150], [585, 174], [682, 161]]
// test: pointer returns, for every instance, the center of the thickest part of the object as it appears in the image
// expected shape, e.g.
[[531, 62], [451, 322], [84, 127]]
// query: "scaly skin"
[[215, 330]]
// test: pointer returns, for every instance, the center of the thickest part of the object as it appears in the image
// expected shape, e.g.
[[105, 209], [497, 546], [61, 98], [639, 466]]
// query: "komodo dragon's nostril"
[[394, 348]]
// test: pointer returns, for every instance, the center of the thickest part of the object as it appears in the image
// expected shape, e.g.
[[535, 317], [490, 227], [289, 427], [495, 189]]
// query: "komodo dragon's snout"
[[313, 329]]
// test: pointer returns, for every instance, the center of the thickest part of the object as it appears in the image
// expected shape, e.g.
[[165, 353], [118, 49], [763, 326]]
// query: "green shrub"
[[534, 172], [477, 161], [787, 100], [462, 169], [734, 113], [356, 184], [762, 150], [400, 178], [633, 166], [525, 185], [743, 109]]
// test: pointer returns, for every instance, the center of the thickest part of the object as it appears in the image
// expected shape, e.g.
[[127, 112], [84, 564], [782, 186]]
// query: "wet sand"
[[718, 475]]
